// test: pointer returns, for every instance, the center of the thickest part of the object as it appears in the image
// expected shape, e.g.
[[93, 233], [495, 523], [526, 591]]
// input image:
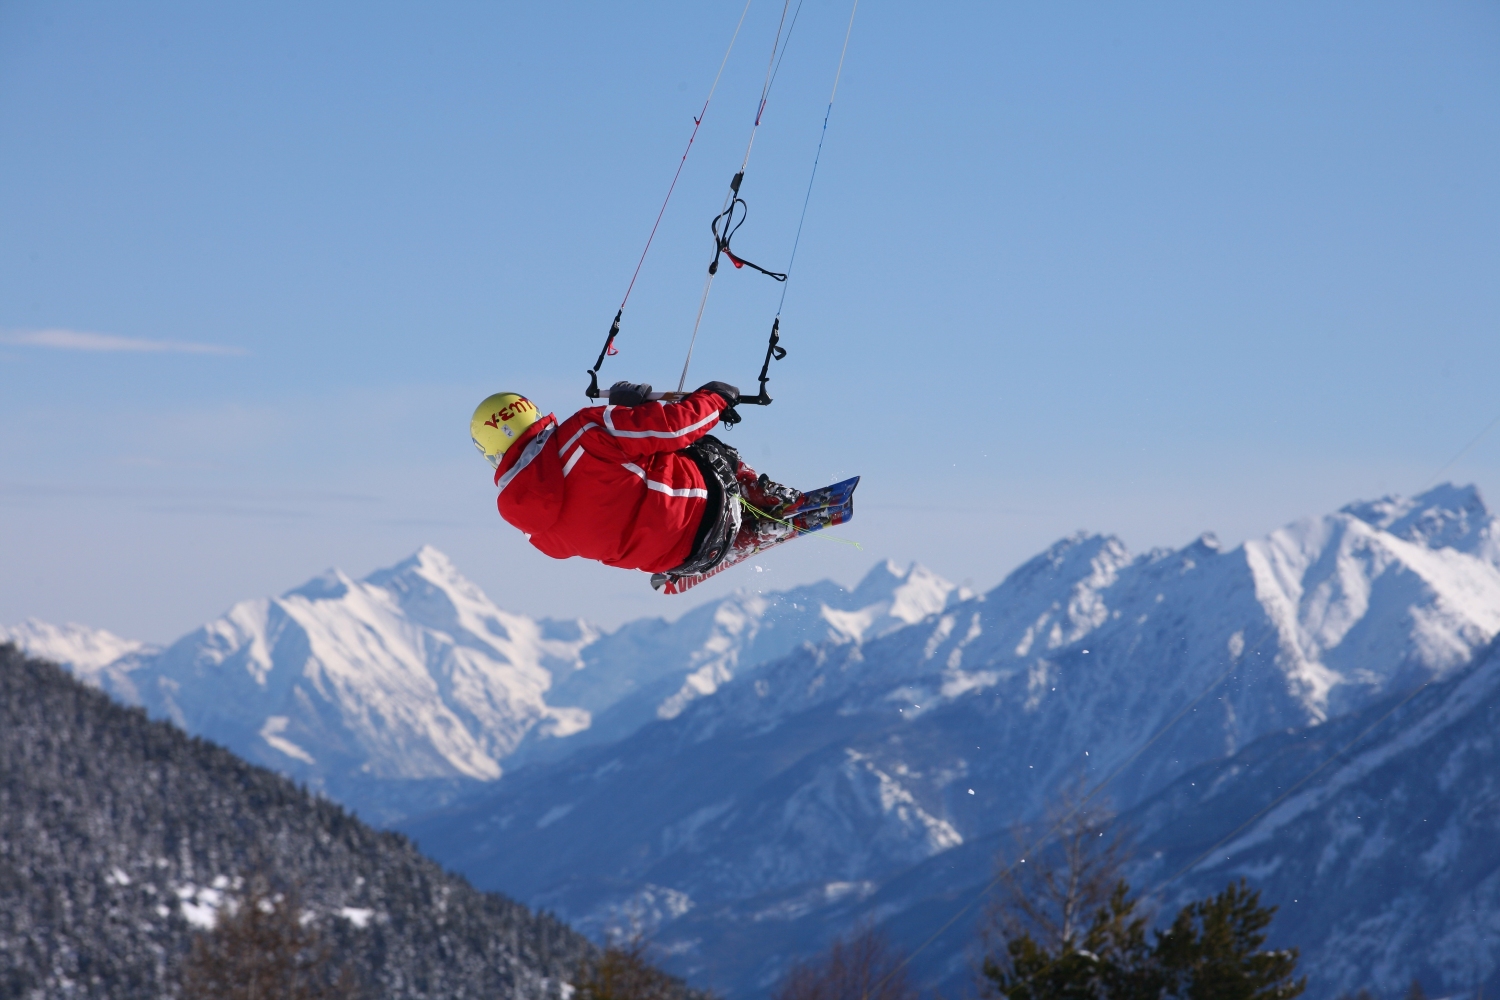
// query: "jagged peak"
[[886, 580], [433, 560], [329, 585], [1074, 557], [1446, 516], [430, 565], [1079, 546], [428, 561], [1208, 541], [882, 580]]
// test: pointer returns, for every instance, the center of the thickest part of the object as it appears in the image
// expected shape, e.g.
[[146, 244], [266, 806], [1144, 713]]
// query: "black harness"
[[721, 517]]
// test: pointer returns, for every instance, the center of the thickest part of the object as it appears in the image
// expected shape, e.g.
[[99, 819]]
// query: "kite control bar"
[[677, 397], [774, 352]]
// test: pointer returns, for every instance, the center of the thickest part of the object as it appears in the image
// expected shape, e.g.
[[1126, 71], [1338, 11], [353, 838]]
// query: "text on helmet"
[[508, 411]]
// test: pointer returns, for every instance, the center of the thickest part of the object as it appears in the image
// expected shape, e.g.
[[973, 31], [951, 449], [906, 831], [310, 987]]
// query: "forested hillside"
[[119, 835]]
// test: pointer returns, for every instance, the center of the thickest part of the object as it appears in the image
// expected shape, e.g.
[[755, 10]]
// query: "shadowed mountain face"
[[754, 823], [1378, 833], [120, 836]]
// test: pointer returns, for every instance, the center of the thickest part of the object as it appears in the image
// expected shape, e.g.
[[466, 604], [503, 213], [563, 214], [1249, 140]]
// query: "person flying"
[[638, 484]]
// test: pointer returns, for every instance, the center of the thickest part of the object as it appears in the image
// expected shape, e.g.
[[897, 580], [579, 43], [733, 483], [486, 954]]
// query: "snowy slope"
[[652, 670], [358, 686], [1376, 833], [746, 824]]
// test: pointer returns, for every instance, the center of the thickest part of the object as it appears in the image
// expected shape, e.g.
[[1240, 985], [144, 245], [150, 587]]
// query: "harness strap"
[[718, 463]]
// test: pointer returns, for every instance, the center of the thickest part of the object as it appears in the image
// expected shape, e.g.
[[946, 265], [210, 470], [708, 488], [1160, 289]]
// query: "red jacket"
[[611, 483]]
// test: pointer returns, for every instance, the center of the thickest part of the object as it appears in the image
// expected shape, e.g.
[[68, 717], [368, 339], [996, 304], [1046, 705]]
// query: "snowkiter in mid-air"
[[640, 483]]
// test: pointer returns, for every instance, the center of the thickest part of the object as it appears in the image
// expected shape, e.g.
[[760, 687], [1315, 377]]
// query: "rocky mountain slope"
[[399, 691], [1379, 834], [754, 823], [119, 837]]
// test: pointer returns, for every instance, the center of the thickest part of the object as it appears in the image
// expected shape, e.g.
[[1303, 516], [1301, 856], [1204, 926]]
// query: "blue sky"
[[1148, 269]]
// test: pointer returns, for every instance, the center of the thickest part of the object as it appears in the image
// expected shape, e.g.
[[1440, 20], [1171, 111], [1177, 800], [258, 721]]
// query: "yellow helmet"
[[499, 421]]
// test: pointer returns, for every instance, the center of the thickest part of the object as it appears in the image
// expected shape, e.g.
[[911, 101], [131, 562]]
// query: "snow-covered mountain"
[[751, 825], [404, 689], [409, 683]]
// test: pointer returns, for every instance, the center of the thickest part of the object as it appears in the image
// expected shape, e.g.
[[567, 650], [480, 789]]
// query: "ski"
[[816, 510]]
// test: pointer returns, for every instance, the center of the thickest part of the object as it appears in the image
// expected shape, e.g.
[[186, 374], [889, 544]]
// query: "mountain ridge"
[[400, 691]]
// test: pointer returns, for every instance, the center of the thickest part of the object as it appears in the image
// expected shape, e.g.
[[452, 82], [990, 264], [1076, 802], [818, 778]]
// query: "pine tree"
[[1112, 959], [1212, 951]]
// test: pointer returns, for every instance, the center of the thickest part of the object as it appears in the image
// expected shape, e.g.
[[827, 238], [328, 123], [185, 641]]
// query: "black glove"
[[626, 394], [730, 394], [729, 416]]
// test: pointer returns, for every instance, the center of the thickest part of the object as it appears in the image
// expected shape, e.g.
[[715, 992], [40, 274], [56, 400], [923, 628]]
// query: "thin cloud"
[[79, 340]]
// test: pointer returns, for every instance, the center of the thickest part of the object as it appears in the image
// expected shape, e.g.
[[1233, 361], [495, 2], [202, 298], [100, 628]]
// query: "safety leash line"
[[806, 531], [773, 349], [765, 89], [697, 321], [721, 242]]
